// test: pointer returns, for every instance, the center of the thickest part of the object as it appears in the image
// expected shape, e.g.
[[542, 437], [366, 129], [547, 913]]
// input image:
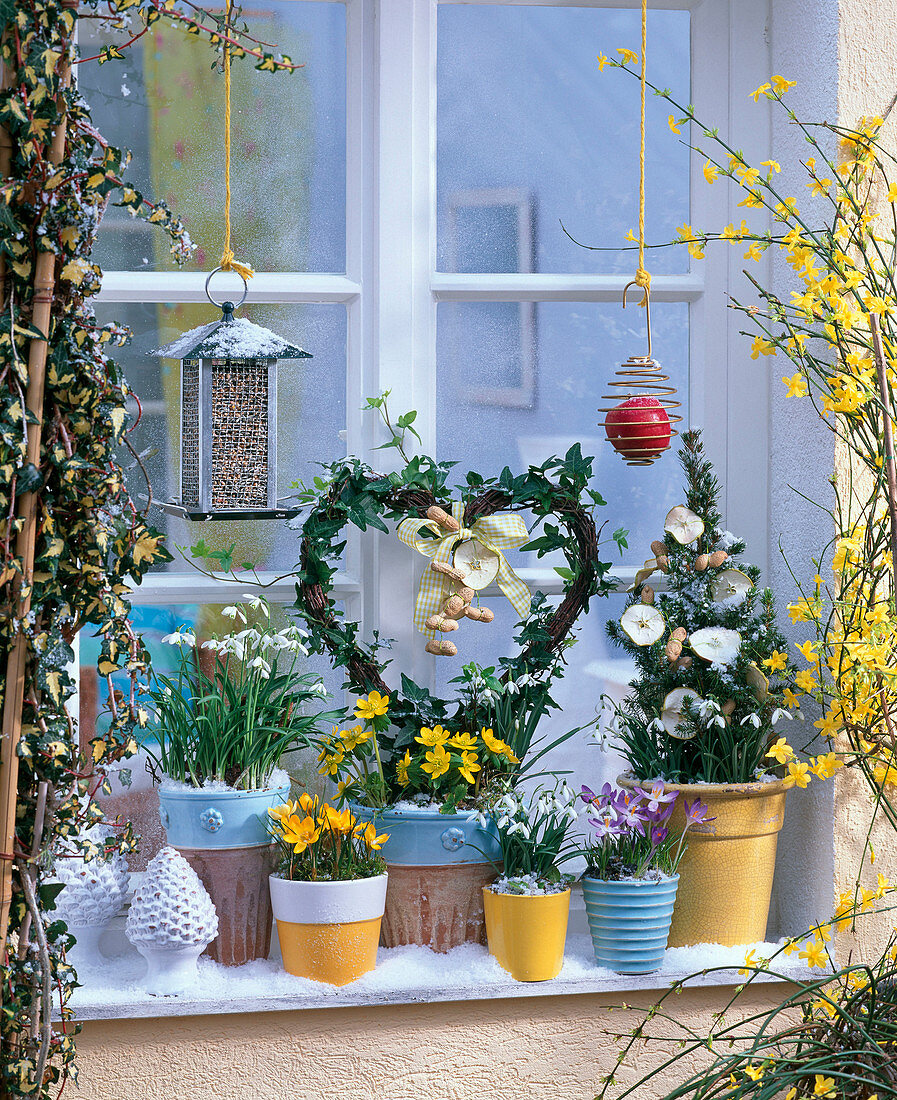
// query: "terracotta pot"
[[725, 877], [527, 933], [237, 882], [329, 931], [438, 865]]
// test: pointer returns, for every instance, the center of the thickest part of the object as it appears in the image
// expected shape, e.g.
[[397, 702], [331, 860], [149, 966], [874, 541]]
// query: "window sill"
[[404, 975]]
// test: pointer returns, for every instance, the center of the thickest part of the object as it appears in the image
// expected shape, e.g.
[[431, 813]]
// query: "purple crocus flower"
[[696, 813], [604, 826], [657, 797], [658, 835], [632, 819]]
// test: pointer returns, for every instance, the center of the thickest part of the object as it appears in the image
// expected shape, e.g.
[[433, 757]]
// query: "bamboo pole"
[[44, 284]]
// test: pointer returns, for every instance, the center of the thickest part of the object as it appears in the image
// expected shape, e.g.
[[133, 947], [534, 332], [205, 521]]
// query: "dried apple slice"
[[643, 623], [730, 587], [672, 714], [716, 644], [683, 524], [757, 682], [647, 570]]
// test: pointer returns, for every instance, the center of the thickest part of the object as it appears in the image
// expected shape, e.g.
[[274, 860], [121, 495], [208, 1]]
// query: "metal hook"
[[647, 304]]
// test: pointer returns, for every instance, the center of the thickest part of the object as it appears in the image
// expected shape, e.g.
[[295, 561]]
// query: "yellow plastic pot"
[[725, 877], [328, 931], [526, 934]]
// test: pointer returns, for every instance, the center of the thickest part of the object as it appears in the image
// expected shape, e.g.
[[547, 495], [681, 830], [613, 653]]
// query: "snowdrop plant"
[[630, 836], [532, 832], [237, 702]]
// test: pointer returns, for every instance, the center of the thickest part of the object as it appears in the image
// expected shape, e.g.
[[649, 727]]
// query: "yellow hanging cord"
[[642, 278], [228, 263]]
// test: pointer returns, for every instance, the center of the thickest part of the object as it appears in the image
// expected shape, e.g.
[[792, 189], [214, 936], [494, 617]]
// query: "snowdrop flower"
[[520, 827], [479, 817], [180, 637], [525, 679], [754, 720], [779, 713], [503, 821], [257, 603], [511, 688], [319, 688], [707, 708], [231, 612], [718, 721], [212, 644], [489, 695], [657, 725]]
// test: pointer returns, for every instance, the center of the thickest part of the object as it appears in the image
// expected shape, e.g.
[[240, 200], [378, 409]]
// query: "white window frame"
[[391, 262]]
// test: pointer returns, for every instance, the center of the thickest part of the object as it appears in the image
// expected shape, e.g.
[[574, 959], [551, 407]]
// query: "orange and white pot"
[[329, 931]]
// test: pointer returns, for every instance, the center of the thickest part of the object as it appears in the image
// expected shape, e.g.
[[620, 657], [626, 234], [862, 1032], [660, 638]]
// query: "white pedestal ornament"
[[171, 921], [93, 893]]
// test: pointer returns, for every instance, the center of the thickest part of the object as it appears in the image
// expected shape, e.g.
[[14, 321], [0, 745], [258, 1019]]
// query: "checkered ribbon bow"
[[503, 531]]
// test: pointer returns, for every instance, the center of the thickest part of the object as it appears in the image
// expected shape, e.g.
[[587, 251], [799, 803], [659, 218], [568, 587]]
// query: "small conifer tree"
[[713, 674]]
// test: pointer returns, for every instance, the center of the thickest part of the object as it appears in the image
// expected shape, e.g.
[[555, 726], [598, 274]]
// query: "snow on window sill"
[[111, 988]]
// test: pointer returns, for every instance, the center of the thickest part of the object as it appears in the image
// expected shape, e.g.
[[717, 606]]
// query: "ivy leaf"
[[28, 479]]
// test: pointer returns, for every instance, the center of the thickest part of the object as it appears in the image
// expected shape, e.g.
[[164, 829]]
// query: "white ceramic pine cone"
[[93, 891], [171, 906]]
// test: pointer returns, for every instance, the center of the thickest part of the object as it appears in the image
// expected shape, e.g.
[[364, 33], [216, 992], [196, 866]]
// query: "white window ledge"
[[404, 975]]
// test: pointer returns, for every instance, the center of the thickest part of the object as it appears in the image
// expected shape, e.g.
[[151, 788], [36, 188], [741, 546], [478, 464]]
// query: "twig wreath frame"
[[355, 494]]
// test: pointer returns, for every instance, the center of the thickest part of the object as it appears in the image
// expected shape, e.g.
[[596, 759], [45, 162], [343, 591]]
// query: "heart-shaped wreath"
[[353, 493]]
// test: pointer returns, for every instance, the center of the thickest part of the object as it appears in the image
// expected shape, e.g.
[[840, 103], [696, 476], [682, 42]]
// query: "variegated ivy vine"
[[93, 543]]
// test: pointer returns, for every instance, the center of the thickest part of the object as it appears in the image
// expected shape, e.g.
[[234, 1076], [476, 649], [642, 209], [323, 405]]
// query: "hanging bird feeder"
[[228, 467], [640, 426]]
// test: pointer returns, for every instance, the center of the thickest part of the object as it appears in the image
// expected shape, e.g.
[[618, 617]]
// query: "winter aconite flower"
[[374, 706]]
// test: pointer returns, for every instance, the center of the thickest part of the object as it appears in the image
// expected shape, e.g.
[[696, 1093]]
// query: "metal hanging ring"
[[219, 304], [647, 301]]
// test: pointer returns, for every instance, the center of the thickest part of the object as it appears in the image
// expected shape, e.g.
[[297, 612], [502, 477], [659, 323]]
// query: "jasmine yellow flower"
[[883, 884], [815, 954], [806, 681], [761, 347], [710, 170], [825, 1086], [773, 164], [781, 751], [671, 122], [823, 933], [808, 651], [791, 946], [757, 92], [628, 56], [777, 660], [781, 85], [819, 187], [791, 700], [754, 251], [749, 962], [603, 60], [798, 774], [796, 385], [436, 762], [754, 1072], [469, 766], [729, 233], [892, 193], [825, 765], [373, 706]]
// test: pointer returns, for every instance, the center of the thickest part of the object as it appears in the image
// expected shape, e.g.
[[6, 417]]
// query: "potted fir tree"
[[528, 905], [630, 882], [328, 891], [712, 682], [225, 719]]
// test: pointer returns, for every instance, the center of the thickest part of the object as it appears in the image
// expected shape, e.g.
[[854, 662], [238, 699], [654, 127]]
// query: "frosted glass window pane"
[[515, 388], [166, 105], [311, 412], [531, 133]]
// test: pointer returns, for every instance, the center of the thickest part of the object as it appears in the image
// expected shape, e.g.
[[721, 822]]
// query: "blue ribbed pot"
[[630, 921], [427, 838], [199, 818]]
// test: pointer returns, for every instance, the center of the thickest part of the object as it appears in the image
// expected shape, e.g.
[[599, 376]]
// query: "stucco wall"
[[552, 1048]]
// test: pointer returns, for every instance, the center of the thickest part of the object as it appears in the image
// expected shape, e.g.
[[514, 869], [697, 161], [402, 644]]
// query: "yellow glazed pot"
[[526, 934], [725, 877], [328, 931]]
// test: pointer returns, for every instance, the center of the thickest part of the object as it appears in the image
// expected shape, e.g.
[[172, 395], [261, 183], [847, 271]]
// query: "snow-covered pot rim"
[[528, 897], [344, 902], [631, 883], [709, 790], [201, 817], [428, 838]]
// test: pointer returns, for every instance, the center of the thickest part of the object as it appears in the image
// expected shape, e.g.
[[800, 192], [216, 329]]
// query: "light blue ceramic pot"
[[198, 818], [427, 838], [630, 921]]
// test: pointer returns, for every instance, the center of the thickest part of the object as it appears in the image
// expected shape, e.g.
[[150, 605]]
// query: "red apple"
[[639, 428]]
